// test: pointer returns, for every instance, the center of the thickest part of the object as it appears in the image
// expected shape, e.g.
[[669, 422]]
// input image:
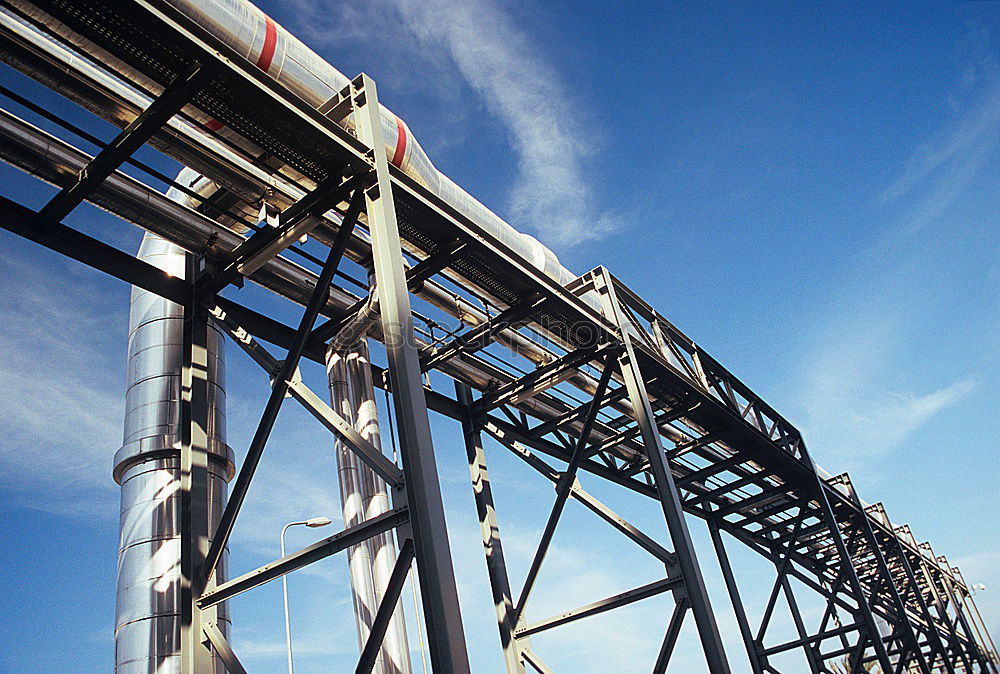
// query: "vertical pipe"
[[147, 620], [363, 496]]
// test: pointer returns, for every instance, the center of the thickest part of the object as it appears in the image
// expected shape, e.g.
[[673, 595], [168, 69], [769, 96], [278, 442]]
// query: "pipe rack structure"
[[594, 380]]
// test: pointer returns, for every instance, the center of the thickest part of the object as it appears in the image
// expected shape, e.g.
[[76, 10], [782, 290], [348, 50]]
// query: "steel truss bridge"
[[649, 412]]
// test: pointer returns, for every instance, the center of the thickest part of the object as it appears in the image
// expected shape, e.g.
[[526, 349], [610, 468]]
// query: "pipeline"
[[147, 612], [364, 496]]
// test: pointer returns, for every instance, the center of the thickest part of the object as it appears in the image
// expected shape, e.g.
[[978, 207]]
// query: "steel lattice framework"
[[659, 417]]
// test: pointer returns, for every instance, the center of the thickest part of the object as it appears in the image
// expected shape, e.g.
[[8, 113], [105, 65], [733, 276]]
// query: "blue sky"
[[811, 191]]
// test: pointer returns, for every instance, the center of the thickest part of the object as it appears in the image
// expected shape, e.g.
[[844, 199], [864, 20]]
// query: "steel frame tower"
[[652, 413]]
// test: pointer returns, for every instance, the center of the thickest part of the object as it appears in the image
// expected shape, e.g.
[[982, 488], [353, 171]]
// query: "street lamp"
[[313, 522]]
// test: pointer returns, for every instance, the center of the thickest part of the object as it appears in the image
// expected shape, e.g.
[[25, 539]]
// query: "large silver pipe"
[[363, 496], [147, 615]]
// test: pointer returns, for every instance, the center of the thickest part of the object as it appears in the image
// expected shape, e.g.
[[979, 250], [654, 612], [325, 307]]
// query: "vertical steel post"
[[734, 596], [196, 656], [977, 653], [897, 600], [496, 567], [864, 608], [445, 635], [694, 583]]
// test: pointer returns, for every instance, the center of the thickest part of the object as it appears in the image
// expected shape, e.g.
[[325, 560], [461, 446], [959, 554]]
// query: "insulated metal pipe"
[[147, 616], [364, 496]]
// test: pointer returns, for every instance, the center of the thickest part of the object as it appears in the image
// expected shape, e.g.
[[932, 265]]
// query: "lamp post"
[[313, 522]]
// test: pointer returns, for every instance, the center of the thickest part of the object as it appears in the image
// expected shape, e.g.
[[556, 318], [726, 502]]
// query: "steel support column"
[[496, 566], [196, 656], [694, 583], [897, 601], [734, 596], [445, 635]]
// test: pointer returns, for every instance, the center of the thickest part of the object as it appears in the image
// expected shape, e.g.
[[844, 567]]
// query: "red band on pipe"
[[397, 157], [263, 61], [270, 40]]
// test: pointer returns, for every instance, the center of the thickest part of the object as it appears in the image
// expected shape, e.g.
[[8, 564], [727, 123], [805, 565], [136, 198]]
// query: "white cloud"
[[940, 169], [437, 45], [523, 91], [62, 400], [855, 409]]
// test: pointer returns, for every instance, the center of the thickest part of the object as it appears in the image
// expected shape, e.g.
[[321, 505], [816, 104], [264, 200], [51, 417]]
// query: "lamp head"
[[318, 522]]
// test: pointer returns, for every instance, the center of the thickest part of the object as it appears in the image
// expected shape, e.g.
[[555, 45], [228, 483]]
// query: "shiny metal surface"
[[363, 496], [147, 613]]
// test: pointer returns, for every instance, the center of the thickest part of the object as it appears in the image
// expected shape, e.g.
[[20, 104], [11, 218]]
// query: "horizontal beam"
[[174, 97], [814, 639], [479, 336], [267, 242], [602, 605], [296, 560], [67, 241], [531, 380]]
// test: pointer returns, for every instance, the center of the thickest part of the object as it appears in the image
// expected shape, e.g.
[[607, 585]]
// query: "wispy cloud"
[[942, 168], [61, 396], [866, 421], [859, 393], [528, 96], [551, 196], [857, 408]]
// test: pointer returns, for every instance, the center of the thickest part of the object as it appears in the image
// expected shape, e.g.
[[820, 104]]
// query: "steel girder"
[[730, 459]]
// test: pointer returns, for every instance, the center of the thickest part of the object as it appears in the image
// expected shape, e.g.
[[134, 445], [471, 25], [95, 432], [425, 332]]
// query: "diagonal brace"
[[278, 390], [584, 497], [564, 487], [335, 423], [174, 97], [386, 608], [602, 605], [221, 645], [307, 555]]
